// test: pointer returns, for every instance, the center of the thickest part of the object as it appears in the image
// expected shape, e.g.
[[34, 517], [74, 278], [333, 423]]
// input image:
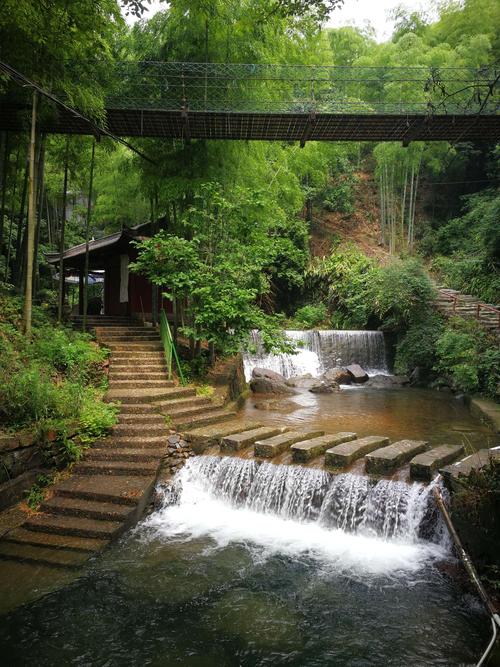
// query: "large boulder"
[[387, 381], [259, 373], [263, 385], [338, 375], [325, 388], [357, 373]]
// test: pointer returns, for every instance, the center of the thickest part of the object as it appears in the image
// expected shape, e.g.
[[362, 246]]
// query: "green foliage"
[[204, 390], [468, 357], [402, 294], [310, 316], [96, 417], [343, 281], [339, 197], [417, 348], [36, 494]]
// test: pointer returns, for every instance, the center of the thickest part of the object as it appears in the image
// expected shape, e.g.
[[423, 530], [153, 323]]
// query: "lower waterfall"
[[349, 520], [319, 351]]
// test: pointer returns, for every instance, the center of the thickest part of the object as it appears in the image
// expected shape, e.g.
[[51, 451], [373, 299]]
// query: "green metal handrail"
[[169, 347]]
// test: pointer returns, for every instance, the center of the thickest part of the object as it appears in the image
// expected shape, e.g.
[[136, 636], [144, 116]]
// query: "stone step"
[[117, 375], [72, 525], [347, 452], [134, 455], [132, 429], [134, 442], [186, 423], [269, 447], [208, 436], [307, 450], [140, 384], [146, 468], [108, 340], [182, 402], [55, 541], [475, 461], [388, 458], [132, 358], [152, 346], [40, 555], [423, 466], [238, 441], [121, 490], [146, 418], [179, 412], [148, 395], [124, 328], [137, 409], [90, 509]]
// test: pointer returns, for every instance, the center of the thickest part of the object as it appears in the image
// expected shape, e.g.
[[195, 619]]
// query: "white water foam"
[[237, 508]]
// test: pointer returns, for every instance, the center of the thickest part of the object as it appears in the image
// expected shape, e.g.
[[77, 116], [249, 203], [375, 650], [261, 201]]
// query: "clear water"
[[217, 580]]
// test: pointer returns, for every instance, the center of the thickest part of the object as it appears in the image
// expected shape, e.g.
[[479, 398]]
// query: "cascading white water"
[[346, 519], [319, 351]]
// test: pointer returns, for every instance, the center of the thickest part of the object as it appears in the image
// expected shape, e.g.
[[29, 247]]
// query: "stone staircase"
[[371, 455], [451, 302], [111, 487]]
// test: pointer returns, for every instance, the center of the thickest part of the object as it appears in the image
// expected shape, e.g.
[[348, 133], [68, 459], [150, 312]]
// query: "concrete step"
[[475, 461], [148, 395], [307, 450], [146, 468], [152, 346], [388, 458], [140, 384], [208, 436], [146, 418], [175, 403], [144, 430], [134, 442], [119, 490], [107, 339], [205, 419], [137, 409], [90, 509], [347, 452], [132, 357], [179, 412], [134, 455], [423, 466], [237, 441], [40, 555], [72, 525], [269, 447], [55, 541], [120, 375]]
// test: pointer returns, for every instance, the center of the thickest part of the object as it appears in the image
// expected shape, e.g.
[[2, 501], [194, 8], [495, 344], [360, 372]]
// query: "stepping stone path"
[[424, 465], [342, 455], [388, 458], [110, 488], [310, 449], [473, 462], [279, 443]]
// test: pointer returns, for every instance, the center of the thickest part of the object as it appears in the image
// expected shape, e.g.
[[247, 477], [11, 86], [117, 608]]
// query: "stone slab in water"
[[344, 454], [55, 541], [279, 443], [309, 449], [390, 457], [41, 555], [424, 465], [476, 461], [240, 440], [357, 373], [206, 436]]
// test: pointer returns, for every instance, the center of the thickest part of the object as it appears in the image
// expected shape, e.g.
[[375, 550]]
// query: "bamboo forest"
[[250, 333]]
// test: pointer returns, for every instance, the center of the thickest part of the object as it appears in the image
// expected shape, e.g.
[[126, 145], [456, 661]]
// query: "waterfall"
[[351, 503], [357, 526], [319, 351]]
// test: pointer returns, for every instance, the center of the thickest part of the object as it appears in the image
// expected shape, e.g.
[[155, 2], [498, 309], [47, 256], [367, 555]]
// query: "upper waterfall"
[[321, 350]]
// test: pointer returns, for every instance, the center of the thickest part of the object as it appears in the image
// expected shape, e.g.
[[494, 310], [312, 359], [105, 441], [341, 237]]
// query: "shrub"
[[417, 348], [311, 316], [402, 294], [339, 198]]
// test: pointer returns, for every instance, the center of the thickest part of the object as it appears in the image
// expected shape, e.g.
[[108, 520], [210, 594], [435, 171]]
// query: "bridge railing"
[[236, 87]]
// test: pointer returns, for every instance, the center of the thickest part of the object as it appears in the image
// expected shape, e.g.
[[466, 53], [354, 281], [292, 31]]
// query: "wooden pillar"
[[87, 235], [28, 294]]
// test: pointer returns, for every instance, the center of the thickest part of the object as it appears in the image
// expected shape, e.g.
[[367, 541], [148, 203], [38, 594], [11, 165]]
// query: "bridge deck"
[[269, 126]]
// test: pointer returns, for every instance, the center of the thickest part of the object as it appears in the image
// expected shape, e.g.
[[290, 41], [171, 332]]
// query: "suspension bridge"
[[284, 102]]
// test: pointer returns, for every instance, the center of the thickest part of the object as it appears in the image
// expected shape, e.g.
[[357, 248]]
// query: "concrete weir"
[[279, 443], [425, 465], [344, 454], [310, 449], [388, 458]]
